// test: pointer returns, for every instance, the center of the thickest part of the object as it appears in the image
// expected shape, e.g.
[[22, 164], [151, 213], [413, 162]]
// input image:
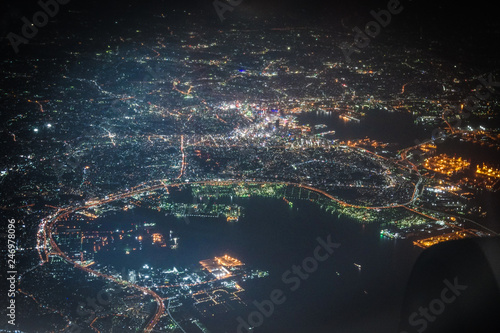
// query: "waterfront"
[[272, 236], [378, 124], [148, 152]]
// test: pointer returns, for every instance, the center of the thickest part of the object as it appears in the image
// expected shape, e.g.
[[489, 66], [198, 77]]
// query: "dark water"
[[399, 128], [380, 125], [274, 237]]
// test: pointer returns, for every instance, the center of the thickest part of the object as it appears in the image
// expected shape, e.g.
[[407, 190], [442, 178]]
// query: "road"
[[46, 245]]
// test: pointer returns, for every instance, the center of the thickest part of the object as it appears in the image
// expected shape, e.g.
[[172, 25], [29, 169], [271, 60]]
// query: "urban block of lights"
[[446, 165], [488, 171], [220, 266], [428, 242], [428, 147]]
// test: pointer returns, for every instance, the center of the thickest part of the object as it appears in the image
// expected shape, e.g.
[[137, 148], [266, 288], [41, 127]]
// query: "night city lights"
[[249, 166]]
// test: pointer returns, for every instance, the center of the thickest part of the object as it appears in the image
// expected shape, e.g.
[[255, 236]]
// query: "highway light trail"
[[183, 162], [47, 246]]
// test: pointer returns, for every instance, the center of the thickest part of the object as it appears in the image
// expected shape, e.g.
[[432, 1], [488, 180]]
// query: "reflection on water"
[[380, 125], [272, 236]]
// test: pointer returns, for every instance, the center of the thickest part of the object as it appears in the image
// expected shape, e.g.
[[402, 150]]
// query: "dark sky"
[[449, 15], [466, 29]]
